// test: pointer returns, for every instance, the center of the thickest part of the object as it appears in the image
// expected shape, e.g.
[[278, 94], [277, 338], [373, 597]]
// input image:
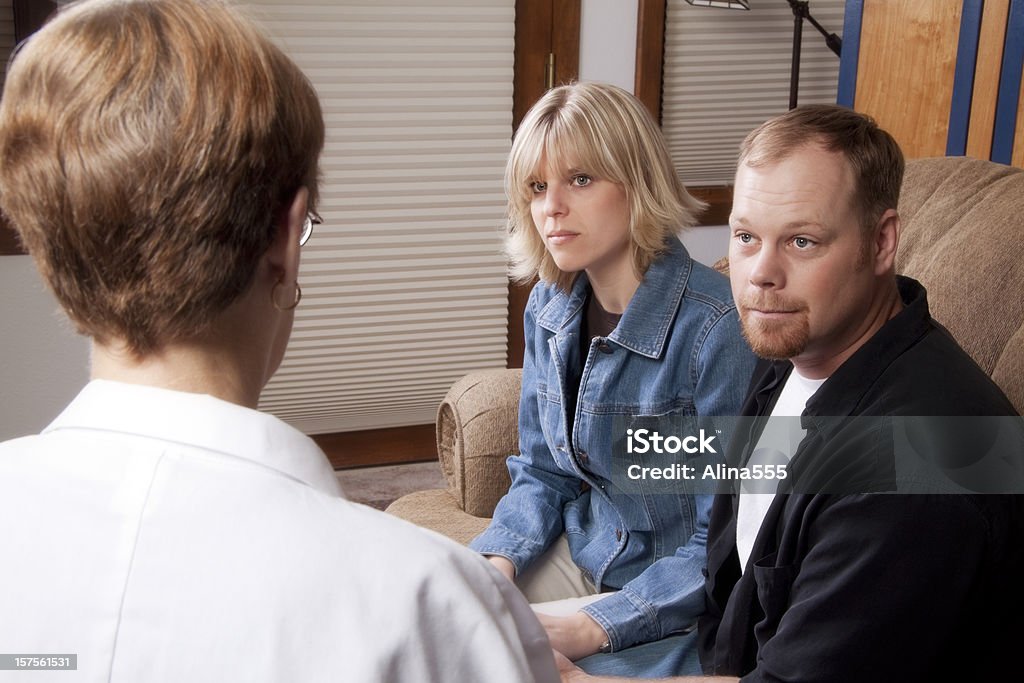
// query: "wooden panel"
[[650, 54], [986, 78], [565, 40], [9, 242], [542, 26], [518, 295], [533, 43], [905, 75], [719, 199], [29, 15], [417, 443]]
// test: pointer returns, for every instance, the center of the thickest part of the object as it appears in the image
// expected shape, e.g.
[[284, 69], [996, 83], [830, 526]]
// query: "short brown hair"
[[606, 131], [874, 156], [146, 149]]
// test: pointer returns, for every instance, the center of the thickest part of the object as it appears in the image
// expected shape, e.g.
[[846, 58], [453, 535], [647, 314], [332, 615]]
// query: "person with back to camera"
[[623, 325], [159, 159]]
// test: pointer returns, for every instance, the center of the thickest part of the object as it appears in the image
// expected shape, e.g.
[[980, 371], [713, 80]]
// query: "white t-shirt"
[[165, 536], [777, 444]]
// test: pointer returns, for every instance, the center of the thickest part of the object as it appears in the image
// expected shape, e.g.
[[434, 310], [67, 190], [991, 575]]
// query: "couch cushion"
[[437, 510], [963, 222]]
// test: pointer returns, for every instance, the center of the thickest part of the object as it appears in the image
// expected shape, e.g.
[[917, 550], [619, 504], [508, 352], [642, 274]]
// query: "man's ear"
[[885, 242], [283, 255]]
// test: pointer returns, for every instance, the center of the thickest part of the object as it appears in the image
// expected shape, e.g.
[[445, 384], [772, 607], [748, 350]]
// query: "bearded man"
[[839, 573]]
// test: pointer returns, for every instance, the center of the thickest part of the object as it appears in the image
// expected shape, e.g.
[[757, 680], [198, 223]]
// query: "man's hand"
[[504, 566], [576, 636]]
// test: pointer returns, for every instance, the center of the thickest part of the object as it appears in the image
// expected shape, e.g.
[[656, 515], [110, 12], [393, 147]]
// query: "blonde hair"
[[606, 131], [874, 156], [146, 149]]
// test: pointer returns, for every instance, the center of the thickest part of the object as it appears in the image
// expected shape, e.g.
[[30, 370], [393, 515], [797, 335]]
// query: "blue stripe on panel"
[[1008, 98], [963, 78], [850, 53]]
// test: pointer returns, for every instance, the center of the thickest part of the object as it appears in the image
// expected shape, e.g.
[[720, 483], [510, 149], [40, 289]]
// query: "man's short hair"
[[147, 148], [606, 131], [874, 156]]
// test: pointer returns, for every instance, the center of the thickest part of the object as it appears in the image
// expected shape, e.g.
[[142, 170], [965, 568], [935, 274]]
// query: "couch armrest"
[[477, 429]]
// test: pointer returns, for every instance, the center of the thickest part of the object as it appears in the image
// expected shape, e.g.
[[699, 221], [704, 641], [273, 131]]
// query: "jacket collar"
[[645, 325], [845, 388]]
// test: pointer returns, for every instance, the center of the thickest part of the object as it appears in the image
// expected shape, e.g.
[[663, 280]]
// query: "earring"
[[293, 304]]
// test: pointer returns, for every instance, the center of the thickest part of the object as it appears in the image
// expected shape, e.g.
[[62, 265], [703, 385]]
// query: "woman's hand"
[[568, 671], [576, 636], [504, 566]]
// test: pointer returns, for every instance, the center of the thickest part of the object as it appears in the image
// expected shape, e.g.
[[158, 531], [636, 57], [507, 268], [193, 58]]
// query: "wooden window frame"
[[542, 27], [650, 59]]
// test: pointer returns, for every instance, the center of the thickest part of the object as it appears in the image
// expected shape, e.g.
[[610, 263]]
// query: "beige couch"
[[963, 227]]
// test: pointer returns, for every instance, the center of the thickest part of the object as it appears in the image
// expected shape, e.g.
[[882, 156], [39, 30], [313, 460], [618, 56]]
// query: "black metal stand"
[[801, 11]]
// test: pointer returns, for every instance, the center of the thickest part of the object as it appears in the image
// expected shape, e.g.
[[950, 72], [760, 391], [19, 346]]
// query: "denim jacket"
[[676, 350]]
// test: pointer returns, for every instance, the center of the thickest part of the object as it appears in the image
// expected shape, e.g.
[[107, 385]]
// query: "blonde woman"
[[623, 327]]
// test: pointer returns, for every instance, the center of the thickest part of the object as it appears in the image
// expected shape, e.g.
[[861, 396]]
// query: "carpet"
[[379, 486]]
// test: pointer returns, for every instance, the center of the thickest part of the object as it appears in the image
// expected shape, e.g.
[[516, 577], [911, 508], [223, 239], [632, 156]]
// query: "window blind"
[[727, 71], [405, 285]]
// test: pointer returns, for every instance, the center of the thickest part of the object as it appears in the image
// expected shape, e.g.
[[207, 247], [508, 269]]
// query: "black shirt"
[[596, 322], [871, 586]]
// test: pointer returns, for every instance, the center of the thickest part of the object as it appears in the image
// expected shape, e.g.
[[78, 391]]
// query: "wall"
[[43, 363], [608, 41], [707, 243]]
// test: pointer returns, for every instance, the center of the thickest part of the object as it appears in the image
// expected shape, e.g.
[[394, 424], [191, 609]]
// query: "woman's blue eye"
[[581, 180], [744, 237], [538, 186], [802, 242]]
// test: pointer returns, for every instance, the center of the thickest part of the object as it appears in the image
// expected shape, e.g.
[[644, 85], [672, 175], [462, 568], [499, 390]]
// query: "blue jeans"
[[672, 656]]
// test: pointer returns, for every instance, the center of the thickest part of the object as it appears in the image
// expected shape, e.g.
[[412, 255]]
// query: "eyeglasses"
[[312, 218]]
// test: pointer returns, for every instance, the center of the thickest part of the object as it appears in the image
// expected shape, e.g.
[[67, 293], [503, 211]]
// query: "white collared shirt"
[[161, 535]]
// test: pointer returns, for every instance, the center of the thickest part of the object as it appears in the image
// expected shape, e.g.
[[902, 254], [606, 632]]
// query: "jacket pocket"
[[774, 590]]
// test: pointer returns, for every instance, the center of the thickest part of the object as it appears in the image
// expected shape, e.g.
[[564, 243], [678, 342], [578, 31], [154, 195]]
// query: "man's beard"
[[776, 340]]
